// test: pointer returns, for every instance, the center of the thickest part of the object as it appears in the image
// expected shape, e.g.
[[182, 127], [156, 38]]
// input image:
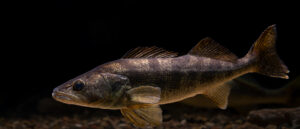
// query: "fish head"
[[98, 90]]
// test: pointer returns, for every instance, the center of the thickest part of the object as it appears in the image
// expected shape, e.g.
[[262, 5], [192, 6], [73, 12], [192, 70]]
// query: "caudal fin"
[[264, 52]]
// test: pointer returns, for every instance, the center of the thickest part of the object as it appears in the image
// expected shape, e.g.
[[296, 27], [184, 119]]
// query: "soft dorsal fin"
[[207, 47], [149, 52]]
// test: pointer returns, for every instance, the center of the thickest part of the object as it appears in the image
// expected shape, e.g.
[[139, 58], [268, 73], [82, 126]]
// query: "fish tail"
[[263, 51]]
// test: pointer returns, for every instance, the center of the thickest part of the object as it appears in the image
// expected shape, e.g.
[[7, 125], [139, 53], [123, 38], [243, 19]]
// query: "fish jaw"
[[65, 94], [64, 97], [71, 99]]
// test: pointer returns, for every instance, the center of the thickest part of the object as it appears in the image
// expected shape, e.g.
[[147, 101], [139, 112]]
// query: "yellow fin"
[[144, 94], [218, 94], [207, 47], [149, 52], [143, 115]]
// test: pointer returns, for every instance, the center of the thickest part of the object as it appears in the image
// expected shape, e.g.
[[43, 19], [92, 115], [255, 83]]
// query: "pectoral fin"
[[144, 94], [219, 94], [143, 115]]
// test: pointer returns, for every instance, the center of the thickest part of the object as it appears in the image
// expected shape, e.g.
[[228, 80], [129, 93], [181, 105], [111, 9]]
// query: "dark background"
[[50, 43]]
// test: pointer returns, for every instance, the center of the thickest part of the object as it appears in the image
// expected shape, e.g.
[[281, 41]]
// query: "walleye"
[[147, 77]]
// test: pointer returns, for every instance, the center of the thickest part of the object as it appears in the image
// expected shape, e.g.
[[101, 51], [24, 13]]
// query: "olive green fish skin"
[[179, 77]]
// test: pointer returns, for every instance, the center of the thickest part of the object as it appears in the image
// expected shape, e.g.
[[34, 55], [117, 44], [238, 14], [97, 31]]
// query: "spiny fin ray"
[[149, 52]]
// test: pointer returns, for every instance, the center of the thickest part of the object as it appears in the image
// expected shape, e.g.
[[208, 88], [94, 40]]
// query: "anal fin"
[[218, 94], [143, 115]]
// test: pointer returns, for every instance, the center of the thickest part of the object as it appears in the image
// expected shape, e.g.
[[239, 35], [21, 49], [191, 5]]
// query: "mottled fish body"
[[180, 77], [146, 77]]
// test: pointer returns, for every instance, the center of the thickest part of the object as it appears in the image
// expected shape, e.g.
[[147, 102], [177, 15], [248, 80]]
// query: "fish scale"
[[147, 77], [168, 76]]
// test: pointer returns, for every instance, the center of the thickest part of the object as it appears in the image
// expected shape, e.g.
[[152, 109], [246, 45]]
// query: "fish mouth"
[[64, 97]]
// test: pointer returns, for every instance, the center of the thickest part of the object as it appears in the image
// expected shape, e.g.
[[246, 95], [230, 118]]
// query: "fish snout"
[[54, 92], [59, 95]]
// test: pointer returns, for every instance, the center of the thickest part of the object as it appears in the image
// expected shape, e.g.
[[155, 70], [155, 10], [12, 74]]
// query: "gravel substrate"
[[176, 116]]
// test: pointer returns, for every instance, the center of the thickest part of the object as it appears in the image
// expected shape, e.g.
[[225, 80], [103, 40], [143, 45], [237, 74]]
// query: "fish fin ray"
[[143, 115], [267, 60], [149, 52], [144, 94], [207, 47], [219, 94]]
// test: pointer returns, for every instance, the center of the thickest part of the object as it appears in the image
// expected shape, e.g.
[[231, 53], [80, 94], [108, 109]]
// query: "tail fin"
[[264, 52]]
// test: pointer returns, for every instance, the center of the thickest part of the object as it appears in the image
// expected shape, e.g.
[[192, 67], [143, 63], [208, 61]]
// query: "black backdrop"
[[50, 43]]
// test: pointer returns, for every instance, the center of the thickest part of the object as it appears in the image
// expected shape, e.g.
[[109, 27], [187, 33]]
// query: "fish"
[[247, 93], [147, 77]]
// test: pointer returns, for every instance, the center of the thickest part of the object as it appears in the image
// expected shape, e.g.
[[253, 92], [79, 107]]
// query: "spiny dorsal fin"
[[149, 52], [207, 47]]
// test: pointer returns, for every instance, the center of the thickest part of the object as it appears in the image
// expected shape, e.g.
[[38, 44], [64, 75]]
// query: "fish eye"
[[78, 85]]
